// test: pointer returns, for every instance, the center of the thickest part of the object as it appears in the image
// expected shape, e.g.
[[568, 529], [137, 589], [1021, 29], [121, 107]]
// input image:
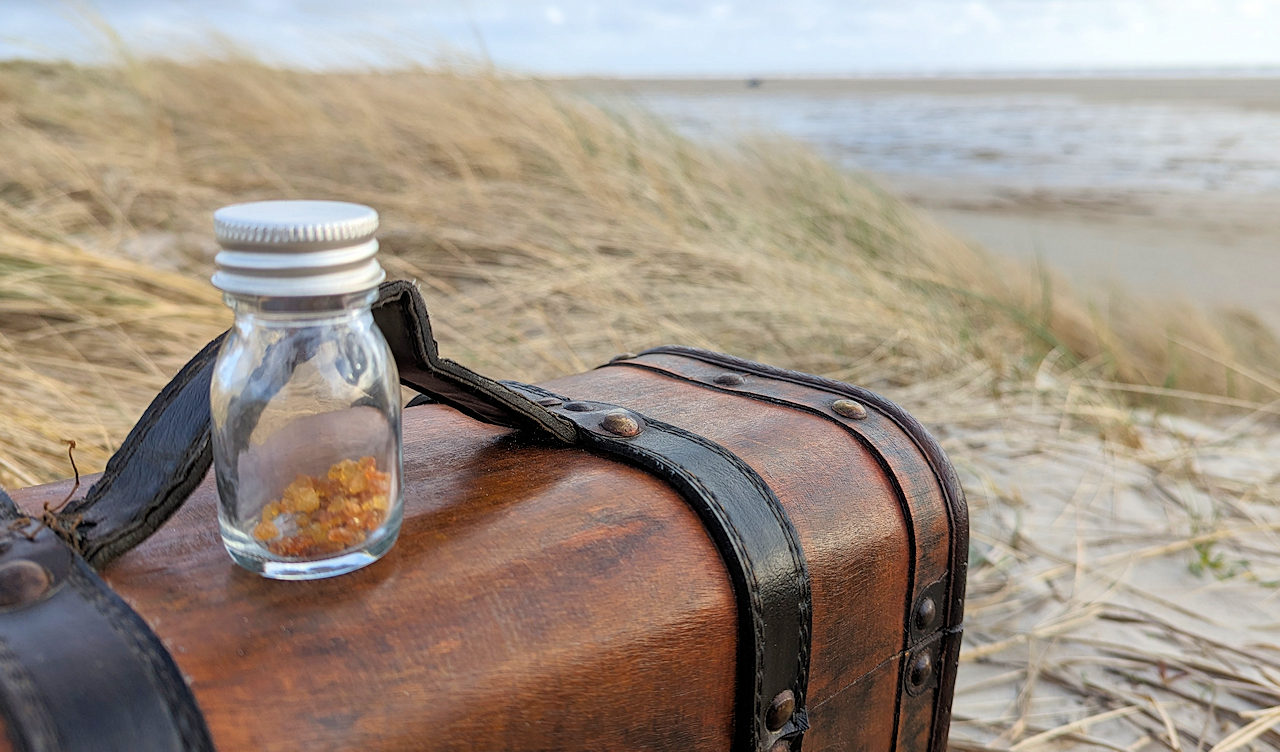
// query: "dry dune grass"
[[1122, 591], [1111, 541], [86, 340], [551, 233]]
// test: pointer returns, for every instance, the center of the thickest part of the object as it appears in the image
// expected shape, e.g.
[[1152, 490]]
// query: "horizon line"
[[1267, 70]]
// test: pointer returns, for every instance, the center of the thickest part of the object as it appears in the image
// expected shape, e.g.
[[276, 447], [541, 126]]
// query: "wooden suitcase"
[[545, 594]]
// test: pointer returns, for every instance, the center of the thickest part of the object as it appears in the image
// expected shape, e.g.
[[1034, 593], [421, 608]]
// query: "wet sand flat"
[[1260, 92], [1159, 185], [1217, 252]]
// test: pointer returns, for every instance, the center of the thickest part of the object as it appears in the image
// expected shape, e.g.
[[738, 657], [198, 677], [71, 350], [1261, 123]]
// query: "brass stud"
[[579, 407], [22, 581], [621, 423], [849, 409], [921, 670], [926, 612], [780, 710], [730, 379], [549, 402]]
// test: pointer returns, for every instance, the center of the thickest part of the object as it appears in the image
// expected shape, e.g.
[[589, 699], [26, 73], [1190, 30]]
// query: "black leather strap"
[[167, 454], [402, 316], [755, 538], [79, 669], [160, 463], [942, 638], [942, 468], [928, 445]]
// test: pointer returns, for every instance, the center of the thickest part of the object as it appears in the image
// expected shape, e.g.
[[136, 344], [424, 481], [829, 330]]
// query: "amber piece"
[[326, 514]]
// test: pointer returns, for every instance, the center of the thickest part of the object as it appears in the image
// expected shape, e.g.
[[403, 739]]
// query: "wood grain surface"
[[542, 598]]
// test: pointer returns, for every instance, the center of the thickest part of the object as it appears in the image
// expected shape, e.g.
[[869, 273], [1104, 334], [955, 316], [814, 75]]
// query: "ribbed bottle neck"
[[311, 309]]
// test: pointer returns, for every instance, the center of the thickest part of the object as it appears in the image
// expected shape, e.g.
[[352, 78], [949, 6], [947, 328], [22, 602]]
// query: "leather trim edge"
[[82, 670], [944, 472], [756, 541]]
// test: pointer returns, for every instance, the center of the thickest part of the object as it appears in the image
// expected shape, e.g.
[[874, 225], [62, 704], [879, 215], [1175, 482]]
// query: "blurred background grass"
[[547, 232]]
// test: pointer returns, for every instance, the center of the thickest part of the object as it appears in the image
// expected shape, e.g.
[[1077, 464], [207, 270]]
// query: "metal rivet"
[[730, 379], [921, 670], [22, 581], [579, 407], [622, 356], [549, 401], [849, 409], [621, 423], [926, 612], [780, 710]]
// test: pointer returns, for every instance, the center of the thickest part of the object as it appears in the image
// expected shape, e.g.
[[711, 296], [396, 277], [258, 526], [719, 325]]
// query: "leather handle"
[[402, 316], [168, 453], [80, 671], [756, 540]]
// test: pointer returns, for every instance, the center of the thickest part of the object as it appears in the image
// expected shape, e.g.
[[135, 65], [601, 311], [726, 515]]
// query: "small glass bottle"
[[305, 395]]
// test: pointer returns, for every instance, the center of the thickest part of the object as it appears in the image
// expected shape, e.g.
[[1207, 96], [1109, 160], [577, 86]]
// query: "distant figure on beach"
[[754, 83]]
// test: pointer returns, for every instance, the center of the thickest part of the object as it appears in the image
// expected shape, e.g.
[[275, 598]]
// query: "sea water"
[[1022, 139]]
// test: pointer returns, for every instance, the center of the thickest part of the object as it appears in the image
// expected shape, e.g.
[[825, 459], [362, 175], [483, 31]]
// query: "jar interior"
[[316, 486]]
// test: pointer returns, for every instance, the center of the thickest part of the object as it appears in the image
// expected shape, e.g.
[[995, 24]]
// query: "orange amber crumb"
[[326, 514], [265, 531]]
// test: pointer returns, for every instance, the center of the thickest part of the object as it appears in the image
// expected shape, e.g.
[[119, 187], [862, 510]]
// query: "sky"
[[669, 38]]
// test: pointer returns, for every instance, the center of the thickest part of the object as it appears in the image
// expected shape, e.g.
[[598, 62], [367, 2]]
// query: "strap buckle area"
[[79, 669]]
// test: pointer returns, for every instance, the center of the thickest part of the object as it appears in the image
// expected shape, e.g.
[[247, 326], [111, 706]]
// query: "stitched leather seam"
[[753, 589], [797, 560], [941, 469], [666, 465], [138, 436], [862, 440], [520, 412], [535, 390], [99, 551], [31, 727], [145, 649]]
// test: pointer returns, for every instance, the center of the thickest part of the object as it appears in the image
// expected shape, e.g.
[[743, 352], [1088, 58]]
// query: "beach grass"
[[549, 233]]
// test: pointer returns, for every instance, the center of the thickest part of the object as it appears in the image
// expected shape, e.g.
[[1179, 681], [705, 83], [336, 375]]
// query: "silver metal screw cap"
[[296, 248]]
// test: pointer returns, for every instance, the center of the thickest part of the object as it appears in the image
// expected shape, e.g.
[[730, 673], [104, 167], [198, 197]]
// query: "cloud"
[[731, 37], [983, 16]]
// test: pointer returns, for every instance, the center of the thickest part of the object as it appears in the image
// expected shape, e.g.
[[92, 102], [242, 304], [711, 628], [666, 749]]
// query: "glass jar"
[[305, 395]]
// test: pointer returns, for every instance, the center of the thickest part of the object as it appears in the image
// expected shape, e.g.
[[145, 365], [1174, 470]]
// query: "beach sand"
[[1217, 252], [1161, 186], [1122, 580], [1259, 93]]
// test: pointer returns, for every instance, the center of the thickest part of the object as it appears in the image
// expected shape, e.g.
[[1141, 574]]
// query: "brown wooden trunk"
[[543, 598]]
